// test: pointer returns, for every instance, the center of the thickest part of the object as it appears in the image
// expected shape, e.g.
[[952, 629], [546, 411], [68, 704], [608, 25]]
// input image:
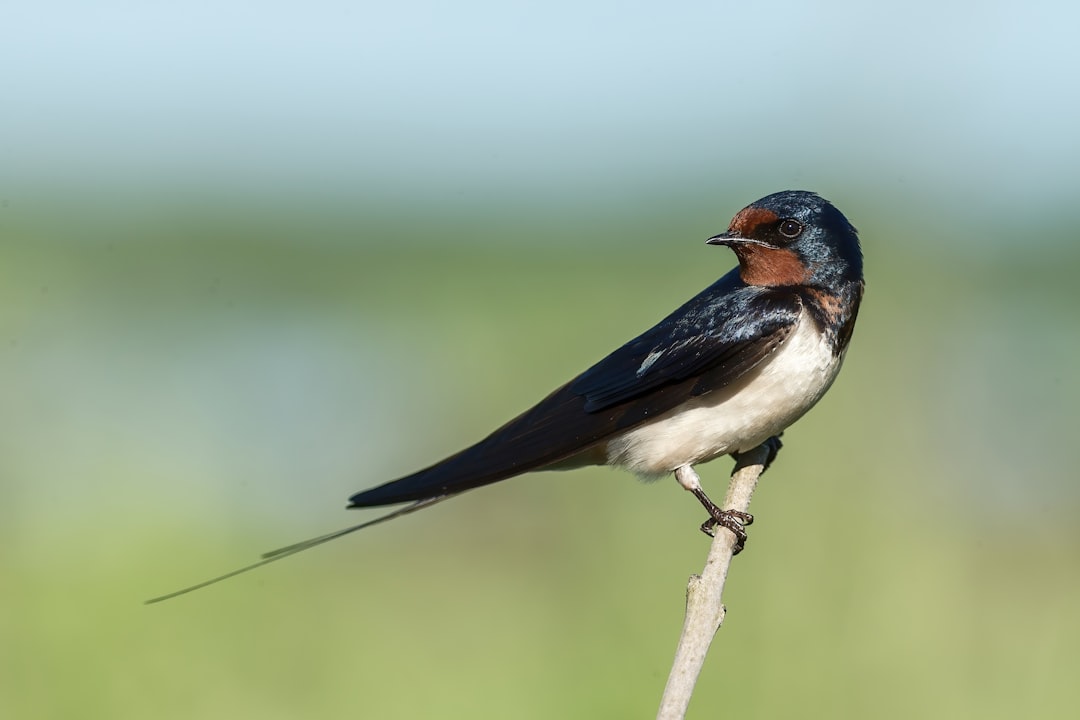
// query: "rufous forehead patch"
[[749, 219]]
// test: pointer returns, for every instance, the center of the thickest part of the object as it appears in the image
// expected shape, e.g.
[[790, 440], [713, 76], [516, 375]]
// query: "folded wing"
[[688, 354]]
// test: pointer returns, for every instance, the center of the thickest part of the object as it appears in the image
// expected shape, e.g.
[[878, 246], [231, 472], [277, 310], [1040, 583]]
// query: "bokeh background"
[[255, 256]]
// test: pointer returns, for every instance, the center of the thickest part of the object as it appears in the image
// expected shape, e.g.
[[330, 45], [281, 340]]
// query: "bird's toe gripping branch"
[[733, 520]]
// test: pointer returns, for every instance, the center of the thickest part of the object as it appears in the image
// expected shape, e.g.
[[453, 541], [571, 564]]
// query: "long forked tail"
[[281, 553]]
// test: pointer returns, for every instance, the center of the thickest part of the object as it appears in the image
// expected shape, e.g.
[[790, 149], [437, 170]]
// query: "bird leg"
[[733, 520]]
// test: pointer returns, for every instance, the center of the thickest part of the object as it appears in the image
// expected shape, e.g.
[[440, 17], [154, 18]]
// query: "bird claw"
[[732, 520]]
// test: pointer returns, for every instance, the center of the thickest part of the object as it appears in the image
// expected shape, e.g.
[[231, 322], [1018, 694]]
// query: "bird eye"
[[791, 228]]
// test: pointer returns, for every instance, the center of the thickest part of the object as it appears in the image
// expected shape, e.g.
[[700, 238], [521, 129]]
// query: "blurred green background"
[[254, 258]]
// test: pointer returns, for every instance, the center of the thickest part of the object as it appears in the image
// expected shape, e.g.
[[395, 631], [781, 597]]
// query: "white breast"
[[738, 417]]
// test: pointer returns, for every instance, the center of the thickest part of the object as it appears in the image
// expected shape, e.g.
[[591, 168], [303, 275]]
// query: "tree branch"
[[704, 602]]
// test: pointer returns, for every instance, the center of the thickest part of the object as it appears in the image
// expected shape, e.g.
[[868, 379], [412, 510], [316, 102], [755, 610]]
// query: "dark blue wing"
[[725, 331], [708, 343]]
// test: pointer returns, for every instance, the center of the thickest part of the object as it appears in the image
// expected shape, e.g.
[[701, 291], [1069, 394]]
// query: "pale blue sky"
[[559, 100]]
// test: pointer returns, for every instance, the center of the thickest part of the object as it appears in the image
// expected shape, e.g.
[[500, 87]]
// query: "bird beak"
[[732, 240], [724, 238]]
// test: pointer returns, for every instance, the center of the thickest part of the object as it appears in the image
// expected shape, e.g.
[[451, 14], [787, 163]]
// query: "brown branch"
[[704, 602]]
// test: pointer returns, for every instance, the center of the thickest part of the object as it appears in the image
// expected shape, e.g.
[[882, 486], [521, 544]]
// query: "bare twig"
[[704, 602]]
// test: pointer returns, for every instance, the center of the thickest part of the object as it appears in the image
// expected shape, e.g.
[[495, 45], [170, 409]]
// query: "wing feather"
[[710, 342]]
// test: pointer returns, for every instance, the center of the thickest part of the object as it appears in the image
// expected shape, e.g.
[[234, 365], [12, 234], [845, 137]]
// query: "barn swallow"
[[727, 371]]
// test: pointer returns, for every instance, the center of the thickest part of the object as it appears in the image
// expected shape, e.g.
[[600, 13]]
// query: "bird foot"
[[732, 520]]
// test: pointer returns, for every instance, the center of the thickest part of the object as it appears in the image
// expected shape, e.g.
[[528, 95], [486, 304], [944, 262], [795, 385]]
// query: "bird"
[[728, 370]]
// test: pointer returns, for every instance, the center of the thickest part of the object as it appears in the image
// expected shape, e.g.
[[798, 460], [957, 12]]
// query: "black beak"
[[732, 240], [724, 238]]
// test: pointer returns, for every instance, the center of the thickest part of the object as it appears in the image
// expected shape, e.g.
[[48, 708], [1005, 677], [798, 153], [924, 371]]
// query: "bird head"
[[793, 238]]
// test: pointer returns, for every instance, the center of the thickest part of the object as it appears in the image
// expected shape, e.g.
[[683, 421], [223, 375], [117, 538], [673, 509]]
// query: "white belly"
[[737, 417]]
